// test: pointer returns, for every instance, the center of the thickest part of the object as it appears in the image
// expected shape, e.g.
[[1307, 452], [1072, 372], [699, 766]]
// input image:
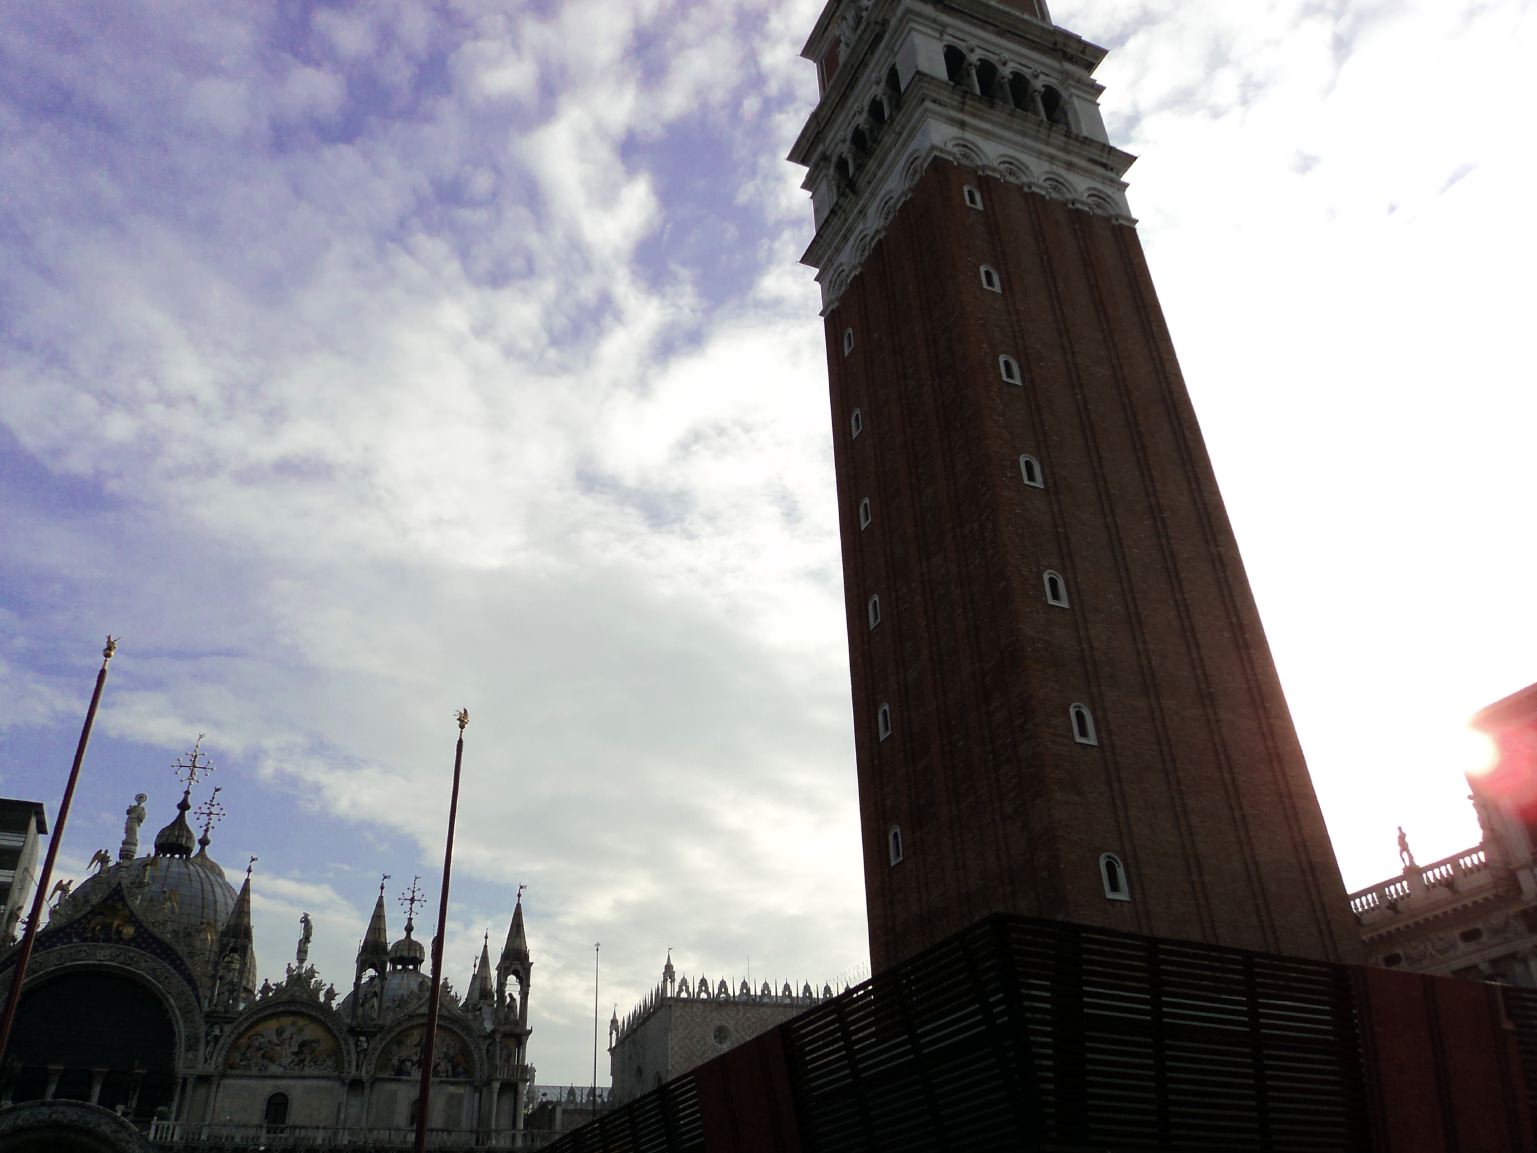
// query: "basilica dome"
[[170, 892]]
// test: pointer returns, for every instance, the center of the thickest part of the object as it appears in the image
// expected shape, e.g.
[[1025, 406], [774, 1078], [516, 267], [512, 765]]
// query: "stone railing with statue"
[[1420, 882]]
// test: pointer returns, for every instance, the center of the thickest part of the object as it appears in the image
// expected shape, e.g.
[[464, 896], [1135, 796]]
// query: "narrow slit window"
[[873, 611], [894, 844], [1056, 589], [856, 423], [848, 341], [990, 279], [1083, 725], [864, 514], [1008, 368], [1030, 471], [1113, 874], [973, 197], [883, 722]]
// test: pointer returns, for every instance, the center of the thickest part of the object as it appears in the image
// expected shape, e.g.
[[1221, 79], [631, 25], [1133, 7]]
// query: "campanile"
[[1064, 703]]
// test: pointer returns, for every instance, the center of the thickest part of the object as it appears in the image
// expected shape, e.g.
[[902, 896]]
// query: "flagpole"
[[29, 936], [424, 1099], [595, 1028]]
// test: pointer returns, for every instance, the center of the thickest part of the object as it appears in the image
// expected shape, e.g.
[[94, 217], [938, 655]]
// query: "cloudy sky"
[[357, 364]]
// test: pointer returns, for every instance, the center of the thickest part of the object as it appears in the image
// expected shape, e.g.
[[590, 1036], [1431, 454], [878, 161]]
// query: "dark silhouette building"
[[1064, 703]]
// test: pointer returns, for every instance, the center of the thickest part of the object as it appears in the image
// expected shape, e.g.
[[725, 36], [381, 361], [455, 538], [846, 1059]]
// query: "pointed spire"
[[516, 949], [374, 952], [481, 988], [237, 930]]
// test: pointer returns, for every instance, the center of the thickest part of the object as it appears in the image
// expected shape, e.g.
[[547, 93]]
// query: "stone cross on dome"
[[193, 765], [409, 900], [210, 812]]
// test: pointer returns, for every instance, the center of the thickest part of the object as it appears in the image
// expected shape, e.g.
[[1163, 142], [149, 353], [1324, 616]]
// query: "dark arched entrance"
[[67, 1127], [93, 1036]]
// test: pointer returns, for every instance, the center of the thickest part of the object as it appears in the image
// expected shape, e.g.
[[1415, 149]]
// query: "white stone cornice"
[[937, 121]]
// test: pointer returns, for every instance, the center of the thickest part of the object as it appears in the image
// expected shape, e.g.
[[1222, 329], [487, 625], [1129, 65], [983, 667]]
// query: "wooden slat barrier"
[[1030, 1035]]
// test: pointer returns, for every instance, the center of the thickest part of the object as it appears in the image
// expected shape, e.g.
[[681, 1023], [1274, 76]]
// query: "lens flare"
[[1477, 754]]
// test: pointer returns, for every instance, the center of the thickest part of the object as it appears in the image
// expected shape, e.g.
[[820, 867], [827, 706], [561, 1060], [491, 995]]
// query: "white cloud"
[[435, 359]]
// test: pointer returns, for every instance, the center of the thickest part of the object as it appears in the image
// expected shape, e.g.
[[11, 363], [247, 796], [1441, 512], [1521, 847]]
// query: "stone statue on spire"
[[136, 814], [306, 931]]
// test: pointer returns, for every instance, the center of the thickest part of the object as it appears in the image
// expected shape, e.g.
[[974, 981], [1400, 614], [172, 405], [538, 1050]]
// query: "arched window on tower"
[[1054, 106], [973, 197], [894, 86], [275, 1115], [1113, 874], [873, 611], [1083, 725], [856, 423], [1056, 589], [1030, 471], [859, 142], [990, 279], [894, 844], [1019, 92], [843, 173], [876, 111], [1008, 368], [864, 514], [987, 78], [848, 341], [955, 64], [883, 722]]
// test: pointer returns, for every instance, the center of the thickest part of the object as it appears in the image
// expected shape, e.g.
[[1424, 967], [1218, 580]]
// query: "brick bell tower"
[[1064, 702]]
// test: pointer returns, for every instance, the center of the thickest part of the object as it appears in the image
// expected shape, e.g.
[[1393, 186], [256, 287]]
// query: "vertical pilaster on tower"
[[1056, 659]]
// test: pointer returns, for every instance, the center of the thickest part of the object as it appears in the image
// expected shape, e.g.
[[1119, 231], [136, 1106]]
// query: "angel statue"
[[99, 861]]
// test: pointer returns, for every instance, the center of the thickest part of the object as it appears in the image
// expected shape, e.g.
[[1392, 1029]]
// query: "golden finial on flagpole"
[[463, 716], [106, 653]]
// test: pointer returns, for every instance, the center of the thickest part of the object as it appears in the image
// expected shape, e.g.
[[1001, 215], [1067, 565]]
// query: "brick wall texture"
[[1197, 782]]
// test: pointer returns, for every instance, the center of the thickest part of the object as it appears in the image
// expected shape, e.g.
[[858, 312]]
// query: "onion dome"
[[407, 953], [176, 839]]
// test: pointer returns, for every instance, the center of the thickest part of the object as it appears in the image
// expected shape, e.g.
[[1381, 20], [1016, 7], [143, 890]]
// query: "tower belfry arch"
[[1069, 667]]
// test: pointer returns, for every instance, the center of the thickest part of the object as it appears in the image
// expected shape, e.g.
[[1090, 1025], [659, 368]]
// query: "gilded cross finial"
[[251, 864], [520, 892], [463, 717], [382, 878], [410, 900], [193, 765], [210, 812]]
